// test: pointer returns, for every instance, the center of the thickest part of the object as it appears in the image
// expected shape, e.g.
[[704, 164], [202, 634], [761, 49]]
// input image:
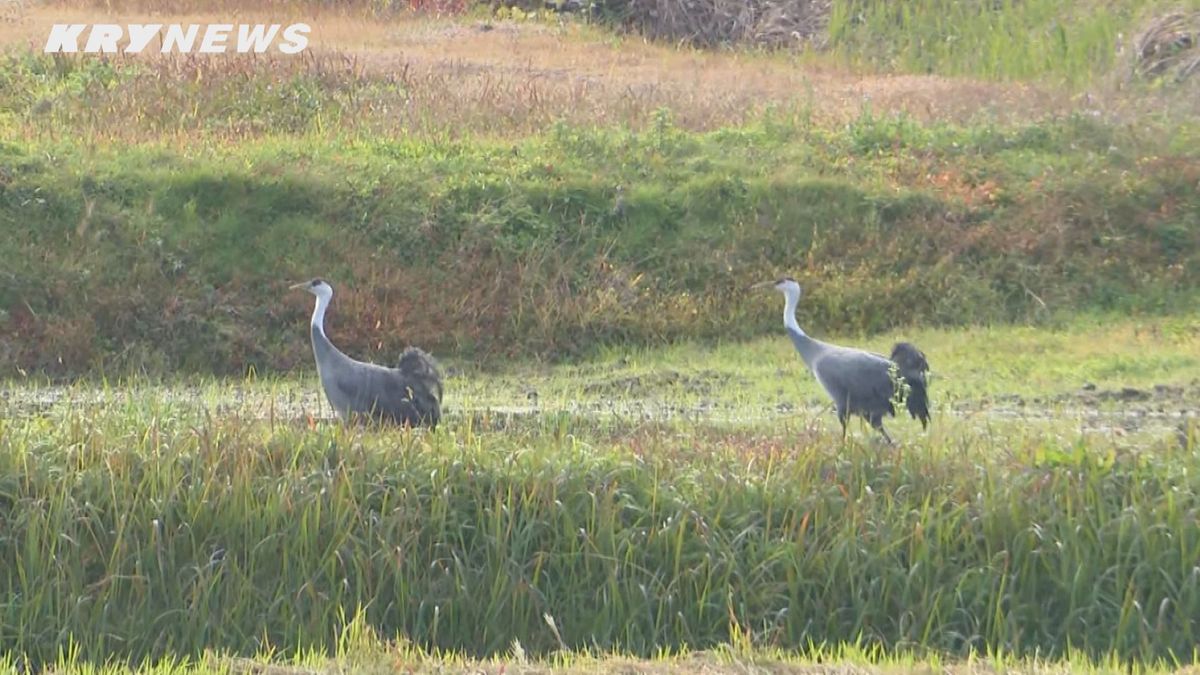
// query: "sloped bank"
[[157, 259]]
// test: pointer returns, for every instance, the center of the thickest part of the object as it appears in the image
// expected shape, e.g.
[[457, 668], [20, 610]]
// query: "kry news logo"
[[217, 38]]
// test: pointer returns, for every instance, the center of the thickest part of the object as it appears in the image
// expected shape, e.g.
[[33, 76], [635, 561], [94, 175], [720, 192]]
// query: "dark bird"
[[859, 382], [409, 394], [913, 371]]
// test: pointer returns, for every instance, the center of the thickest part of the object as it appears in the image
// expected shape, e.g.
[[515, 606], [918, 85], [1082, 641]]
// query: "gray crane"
[[409, 394], [859, 382]]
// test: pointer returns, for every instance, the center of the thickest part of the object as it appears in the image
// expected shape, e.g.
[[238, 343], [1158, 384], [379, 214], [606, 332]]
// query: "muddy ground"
[[700, 397]]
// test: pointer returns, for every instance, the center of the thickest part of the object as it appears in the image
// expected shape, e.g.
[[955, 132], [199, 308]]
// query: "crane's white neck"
[[324, 296], [792, 298], [809, 348]]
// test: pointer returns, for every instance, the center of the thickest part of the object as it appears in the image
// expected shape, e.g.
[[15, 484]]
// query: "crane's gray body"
[[860, 382], [409, 394]]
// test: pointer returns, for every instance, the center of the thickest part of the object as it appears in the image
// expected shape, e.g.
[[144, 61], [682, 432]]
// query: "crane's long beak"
[[302, 284], [762, 284]]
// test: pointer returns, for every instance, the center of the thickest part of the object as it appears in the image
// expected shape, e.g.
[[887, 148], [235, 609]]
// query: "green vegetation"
[[1047, 368], [1005, 39], [635, 529], [360, 651], [160, 258], [147, 528], [634, 464]]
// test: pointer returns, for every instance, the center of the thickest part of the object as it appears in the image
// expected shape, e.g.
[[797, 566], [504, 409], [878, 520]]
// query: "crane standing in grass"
[[409, 394], [859, 382]]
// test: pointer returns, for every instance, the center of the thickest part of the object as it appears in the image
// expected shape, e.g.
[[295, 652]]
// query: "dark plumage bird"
[[913, 371], [409, 394], [859, 382]]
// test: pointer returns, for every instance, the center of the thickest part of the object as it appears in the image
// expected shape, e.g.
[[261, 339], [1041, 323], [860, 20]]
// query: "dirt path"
[[581, 70]]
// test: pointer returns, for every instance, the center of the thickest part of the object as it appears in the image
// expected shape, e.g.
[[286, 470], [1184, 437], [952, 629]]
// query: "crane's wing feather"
[[417, 364], [411, 400], [390, 394]]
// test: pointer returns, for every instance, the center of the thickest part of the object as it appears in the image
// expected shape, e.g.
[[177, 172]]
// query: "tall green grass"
[[145, 529], [1069, 42]]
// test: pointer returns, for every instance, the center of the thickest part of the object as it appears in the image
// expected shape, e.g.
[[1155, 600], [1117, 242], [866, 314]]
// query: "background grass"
[[1076, 43], [1080, 44], [154, 209], [158, 259]]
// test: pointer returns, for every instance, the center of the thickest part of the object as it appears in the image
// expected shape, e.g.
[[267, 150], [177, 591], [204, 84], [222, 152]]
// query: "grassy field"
[[1079, 44], [463, 195], [644, 501], [635, 471], [1079, 368]]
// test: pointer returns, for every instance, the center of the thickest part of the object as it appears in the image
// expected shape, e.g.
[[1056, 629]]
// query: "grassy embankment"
[[172, 254]]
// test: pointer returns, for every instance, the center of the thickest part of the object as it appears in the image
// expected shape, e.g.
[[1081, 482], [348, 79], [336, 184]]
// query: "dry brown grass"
[[1169, 46], [507, 77], [775, 23]]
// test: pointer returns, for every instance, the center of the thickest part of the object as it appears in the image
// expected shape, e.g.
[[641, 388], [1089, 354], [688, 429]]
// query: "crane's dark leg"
[[878, 424], [843, 418], [885, 435]]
